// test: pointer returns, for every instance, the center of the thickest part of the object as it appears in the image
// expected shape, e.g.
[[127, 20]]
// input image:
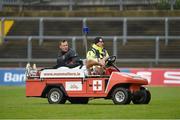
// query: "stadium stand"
[[172, 50], [133, 49], [24, 28], [47, 50], [14, 49], [63, 28], [104, 28]]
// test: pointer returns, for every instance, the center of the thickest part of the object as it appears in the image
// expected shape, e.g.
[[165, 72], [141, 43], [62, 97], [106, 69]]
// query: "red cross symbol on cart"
[[97, 85]]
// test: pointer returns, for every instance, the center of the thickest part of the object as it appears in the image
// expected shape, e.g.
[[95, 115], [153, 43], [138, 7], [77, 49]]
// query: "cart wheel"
[[141, 97], [56, 96], [121, 96], [79, 100]]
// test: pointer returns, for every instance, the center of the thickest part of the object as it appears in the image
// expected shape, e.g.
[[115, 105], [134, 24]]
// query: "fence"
[[166, 36]]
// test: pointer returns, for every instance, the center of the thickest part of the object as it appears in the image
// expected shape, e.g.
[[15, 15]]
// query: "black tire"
[[148, 97], [56, 96], [121, 96], [76, 100], [141, 97]]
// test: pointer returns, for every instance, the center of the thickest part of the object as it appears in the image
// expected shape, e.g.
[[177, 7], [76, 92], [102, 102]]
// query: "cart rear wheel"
[[56, 96]]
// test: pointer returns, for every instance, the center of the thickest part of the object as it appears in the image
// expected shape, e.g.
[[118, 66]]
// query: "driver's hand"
[[105, 58], [102, 62]]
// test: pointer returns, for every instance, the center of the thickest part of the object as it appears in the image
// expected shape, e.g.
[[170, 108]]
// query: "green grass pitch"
[[165, 103]]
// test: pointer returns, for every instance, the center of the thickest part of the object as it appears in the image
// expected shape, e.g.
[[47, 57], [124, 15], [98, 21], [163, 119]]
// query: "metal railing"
[[41, 37], [74, 3]]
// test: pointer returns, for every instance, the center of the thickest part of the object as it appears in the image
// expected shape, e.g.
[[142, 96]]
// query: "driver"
[[67, 57], [96, 57]]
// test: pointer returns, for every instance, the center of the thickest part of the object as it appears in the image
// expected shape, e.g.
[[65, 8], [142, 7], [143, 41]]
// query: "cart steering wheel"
[[110, 61]]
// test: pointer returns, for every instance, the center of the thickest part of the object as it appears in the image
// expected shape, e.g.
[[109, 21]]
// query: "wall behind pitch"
[[159, 77], [155, 76], [12, 76]]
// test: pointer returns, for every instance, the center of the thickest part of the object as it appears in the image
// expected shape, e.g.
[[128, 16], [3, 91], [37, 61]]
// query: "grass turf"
[[165, 103]]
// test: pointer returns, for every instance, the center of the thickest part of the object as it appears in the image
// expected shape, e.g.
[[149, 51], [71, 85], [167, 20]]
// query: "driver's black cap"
[[98, 39]]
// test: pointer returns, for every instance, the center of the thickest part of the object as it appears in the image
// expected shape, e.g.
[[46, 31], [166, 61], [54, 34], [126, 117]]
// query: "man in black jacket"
[[67, 57]]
